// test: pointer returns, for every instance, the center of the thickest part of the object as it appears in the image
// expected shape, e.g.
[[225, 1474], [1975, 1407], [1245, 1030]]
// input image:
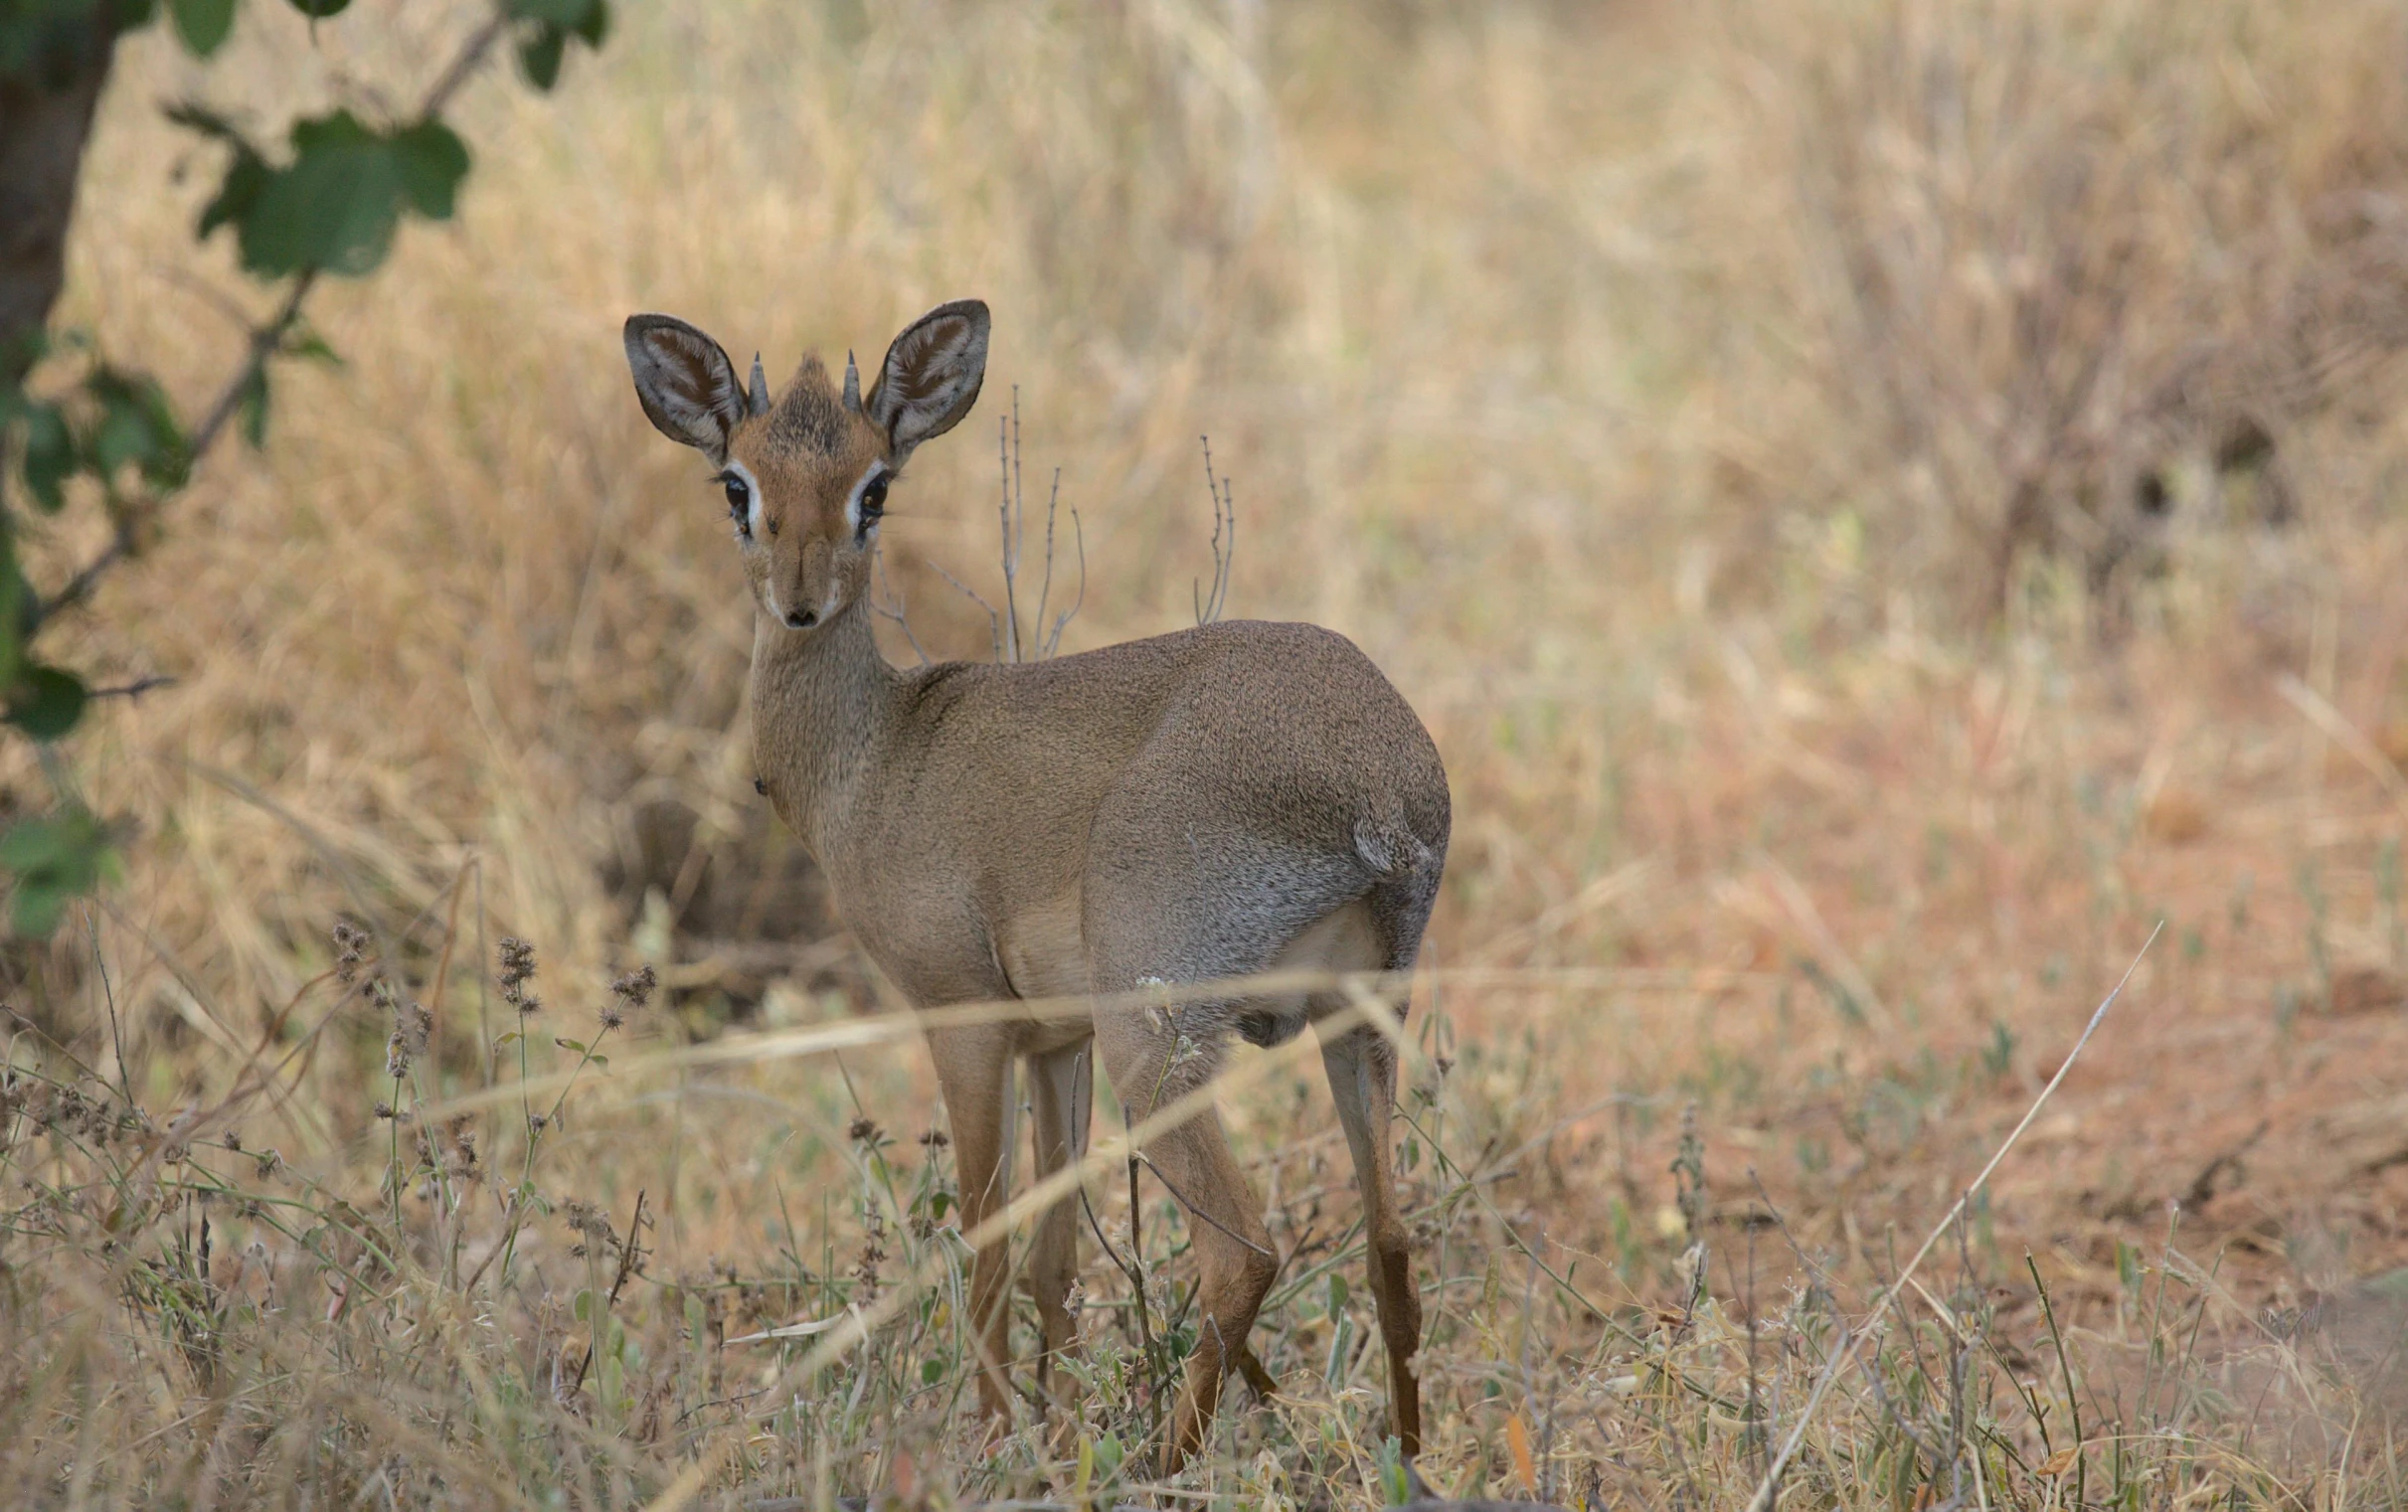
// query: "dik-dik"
[[1237, 799]]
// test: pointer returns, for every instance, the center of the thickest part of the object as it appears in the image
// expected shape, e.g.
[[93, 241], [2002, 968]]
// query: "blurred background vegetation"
[[1879, 503]]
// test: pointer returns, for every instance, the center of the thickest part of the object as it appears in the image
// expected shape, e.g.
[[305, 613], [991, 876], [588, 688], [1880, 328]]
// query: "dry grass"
[[1666, 396]]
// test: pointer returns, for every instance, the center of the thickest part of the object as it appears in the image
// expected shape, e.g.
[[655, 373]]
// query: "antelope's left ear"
[[932, 375]]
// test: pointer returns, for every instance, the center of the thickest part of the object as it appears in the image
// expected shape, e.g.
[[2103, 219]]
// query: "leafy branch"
[[328, 203]]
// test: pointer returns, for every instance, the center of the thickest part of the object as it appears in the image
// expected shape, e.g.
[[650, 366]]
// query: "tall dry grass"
[[1732, 429]]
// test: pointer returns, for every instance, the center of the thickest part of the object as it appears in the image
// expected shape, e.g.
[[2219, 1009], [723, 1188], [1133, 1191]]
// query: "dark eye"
[[740, 502], [872, 501]]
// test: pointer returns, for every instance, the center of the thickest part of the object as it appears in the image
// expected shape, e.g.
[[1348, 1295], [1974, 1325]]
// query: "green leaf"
[[300, 342], [254, 411], [136, 426], [319, 9], [38, 905], [539, 55], [30, 345], [32, 845], [588, 19], [122, 439], [432, 160], [570, 1045], [559, 13], [333, 208], [19, 604], [50, 455], [47, 702], [56, 859], [931, 1371], [247, 173], [203, 24], [247, 178]]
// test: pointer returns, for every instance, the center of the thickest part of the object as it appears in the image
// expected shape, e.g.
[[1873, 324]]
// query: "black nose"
[[800, 619]]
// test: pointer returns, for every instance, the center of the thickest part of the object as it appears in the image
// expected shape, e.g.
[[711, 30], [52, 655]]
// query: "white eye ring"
[[852, 501]]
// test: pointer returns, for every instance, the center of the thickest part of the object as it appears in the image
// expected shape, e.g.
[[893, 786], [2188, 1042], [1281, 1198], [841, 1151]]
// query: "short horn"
[[761, 388], [852, 385]]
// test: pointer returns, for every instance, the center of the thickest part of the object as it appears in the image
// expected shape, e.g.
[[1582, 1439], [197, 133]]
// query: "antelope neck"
[[822, 704]]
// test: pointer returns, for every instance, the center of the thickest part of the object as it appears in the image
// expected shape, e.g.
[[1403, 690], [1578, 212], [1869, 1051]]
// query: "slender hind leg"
[[1362, 1081], [1063, 1082], [975, 1069], [1224, 1219]]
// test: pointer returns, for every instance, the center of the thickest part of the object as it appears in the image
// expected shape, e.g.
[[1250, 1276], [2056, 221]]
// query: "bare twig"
[[630, 1255], [1770, 1492], [1053, 638], [1193, 1211], [1011, 643], [1155, 1378], [994, 622], [889, 605], [134, 689], [1012, 524], [1210, 606]]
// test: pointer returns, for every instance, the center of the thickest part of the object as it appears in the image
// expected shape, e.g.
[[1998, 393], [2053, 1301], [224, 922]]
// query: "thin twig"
[[994, 622], [890, 606], [132, 690], [1007, 439], [1195, 1212], [1155, 1379], [630, 1255], [1209, 605], [1045, 586], [1053, 638], [1768, 1493]]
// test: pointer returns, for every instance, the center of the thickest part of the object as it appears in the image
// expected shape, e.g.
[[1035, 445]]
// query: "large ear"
[[932, 375], [687, 385]]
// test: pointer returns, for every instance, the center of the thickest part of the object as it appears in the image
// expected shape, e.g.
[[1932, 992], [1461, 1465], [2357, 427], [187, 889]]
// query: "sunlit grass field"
[[1882, 506]]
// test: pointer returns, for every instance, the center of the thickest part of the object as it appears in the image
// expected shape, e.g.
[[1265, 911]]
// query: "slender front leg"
[[975, 1069], [1362, 1081], [1063, 1082]]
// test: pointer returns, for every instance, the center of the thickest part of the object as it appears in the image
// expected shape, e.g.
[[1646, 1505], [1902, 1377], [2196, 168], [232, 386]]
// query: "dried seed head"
[[873, 1251], [864, 1131], [350, 950], [384, 1109], [517, 969], [635, 988], [935, 1140]]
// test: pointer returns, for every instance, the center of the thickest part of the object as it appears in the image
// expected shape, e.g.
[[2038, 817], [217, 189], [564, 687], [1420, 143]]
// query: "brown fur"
[[1224, 800]]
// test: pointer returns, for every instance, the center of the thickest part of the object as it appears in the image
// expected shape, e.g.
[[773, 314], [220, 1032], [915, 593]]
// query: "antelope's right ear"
[[688, 387]]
